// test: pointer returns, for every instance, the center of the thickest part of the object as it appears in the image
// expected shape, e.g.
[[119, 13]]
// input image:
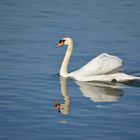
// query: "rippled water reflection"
[[29, 61]]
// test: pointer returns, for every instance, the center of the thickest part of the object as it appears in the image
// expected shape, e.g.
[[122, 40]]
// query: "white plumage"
[[102, 64], [103, 68]]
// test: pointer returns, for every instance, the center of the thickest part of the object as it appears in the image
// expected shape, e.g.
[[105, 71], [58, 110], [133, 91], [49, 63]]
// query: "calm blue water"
[[29, 64]]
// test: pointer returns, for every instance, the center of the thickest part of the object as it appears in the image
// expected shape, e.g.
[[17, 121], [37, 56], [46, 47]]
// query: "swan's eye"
[[62, 41]]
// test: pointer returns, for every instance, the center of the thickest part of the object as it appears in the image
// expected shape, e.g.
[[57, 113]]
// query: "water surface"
[[29, 64]]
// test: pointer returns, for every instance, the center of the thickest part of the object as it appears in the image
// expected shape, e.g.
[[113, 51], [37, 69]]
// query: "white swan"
[[103, 68]]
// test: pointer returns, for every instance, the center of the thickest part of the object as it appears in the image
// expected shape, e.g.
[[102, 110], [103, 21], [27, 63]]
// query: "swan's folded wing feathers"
[[102, 64]]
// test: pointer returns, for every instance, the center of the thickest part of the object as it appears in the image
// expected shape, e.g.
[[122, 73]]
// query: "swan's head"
[[64, 41]]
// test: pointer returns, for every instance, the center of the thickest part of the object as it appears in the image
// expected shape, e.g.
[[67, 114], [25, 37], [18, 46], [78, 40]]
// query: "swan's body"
[[103, 68]]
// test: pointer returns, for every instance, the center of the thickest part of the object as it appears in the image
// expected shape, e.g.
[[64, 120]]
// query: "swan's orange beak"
[[60, 45]]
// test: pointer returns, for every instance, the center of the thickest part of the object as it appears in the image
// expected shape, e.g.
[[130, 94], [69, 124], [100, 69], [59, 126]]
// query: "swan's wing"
[[102, 64]]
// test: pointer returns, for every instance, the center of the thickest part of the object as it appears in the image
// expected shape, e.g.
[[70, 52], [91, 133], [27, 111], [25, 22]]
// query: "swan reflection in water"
[[63, 108], [101, 92], [97, 92]]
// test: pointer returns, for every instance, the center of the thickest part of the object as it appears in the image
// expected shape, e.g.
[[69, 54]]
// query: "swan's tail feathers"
[[122, 77], [136, 78]]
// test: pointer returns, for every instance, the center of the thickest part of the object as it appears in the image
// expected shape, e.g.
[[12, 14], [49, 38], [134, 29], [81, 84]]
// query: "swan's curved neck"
[[64, 66]]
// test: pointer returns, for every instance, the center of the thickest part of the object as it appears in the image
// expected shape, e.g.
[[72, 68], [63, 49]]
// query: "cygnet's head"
[[64, 41]]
